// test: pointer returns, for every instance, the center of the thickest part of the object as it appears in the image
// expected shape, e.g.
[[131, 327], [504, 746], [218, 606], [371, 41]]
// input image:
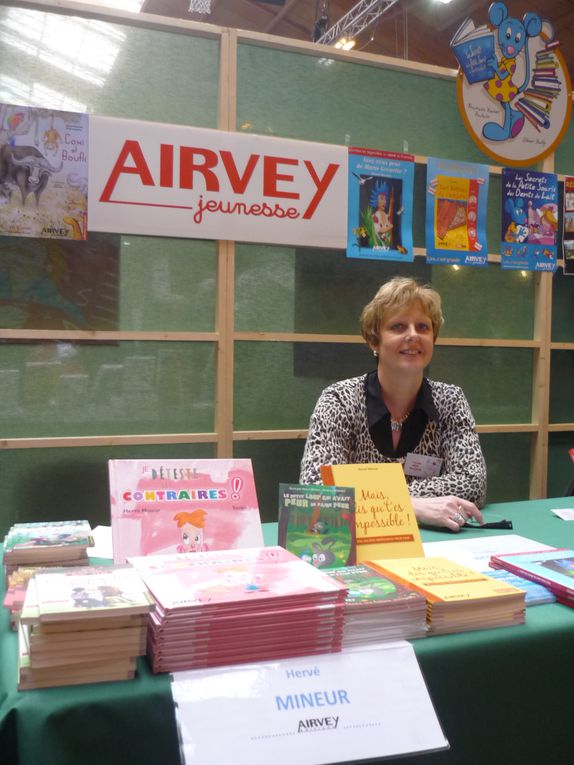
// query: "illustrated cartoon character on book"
[[323, 556], [383, 213], [517, 230], [191, 527], [512, 38], [112, 596], [83, 598]]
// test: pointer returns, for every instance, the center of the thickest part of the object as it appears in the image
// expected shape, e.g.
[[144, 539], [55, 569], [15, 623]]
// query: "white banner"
[[317, 709], [172, 180]]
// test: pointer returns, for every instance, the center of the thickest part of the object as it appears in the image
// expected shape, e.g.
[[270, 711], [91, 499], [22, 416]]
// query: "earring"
[[375, 354]]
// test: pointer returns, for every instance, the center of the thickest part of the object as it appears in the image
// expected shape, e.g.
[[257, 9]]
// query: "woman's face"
[[406, 340]]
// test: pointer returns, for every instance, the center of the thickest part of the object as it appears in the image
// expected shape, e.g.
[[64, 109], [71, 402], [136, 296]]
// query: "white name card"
[[311, 710]]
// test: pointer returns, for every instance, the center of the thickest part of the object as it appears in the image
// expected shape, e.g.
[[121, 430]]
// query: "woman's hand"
[[450, 512]]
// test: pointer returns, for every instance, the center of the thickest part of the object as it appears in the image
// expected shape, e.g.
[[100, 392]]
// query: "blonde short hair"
[[393, 296]]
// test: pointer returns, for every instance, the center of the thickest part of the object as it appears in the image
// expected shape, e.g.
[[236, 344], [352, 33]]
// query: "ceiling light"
[[344, 44]]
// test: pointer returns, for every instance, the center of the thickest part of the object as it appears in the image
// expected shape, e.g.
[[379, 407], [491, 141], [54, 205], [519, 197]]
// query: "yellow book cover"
[[442, 580], [386, 526]]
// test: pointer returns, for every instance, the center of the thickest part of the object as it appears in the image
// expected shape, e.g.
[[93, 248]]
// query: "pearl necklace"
[[397, 424]]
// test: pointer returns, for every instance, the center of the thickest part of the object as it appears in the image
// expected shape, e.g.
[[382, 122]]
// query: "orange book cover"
[[442, 580], [385, 522]]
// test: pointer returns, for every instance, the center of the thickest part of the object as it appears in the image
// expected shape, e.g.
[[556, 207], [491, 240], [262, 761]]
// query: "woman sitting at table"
[[393, 411]]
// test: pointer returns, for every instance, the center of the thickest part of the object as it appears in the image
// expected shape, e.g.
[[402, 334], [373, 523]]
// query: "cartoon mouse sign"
[[513, 86]]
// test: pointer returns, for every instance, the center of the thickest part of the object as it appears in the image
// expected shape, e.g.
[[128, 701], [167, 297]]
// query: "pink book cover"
[[168, 506], [234, 579], [329, 615]]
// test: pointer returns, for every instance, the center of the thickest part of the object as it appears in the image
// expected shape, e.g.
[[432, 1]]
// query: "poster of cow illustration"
[[43, 172]]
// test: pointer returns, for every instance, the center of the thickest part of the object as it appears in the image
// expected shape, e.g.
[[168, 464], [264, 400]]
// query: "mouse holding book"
[[512, 37], [517, 230]]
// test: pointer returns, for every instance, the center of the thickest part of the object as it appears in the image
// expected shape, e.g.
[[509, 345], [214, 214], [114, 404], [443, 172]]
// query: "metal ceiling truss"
[[361, 16]]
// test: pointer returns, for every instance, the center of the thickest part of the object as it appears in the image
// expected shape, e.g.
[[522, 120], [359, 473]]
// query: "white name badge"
[[422, 466]]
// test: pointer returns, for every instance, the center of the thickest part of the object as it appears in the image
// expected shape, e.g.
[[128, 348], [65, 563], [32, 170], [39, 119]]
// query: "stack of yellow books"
[[458, 598]]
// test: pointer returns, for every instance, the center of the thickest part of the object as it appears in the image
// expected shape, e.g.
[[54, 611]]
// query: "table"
[[502, 696]]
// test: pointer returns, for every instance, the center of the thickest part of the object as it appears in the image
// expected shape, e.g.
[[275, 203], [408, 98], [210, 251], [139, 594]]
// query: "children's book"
[[47, 540], [536, 594], [165, 506], [385, 522], [441, 580], [369, 587], [473, 47], [240, 579], [378, 608], [317, 523], [458, 598], [85, 593], [552, 568]]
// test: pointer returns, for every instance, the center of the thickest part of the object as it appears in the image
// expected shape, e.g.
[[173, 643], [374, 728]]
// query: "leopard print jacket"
[[339, 434]]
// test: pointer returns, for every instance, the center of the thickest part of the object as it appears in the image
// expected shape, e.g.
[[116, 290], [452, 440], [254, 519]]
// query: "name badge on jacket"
[[422, 466]]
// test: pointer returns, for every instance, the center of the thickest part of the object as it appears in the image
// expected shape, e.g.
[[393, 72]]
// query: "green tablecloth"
[[502, 696]]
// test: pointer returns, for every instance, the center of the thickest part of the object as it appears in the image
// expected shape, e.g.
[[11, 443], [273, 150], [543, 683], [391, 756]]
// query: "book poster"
[[57, 284], [568, 231], [317, 523], [43, 172], [380, 207], [513, 87], [529, 220], [457, 194]]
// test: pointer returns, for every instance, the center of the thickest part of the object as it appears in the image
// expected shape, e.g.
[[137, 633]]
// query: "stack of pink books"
[[236, 606]]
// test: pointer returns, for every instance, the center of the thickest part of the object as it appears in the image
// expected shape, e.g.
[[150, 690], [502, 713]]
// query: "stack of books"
[[536, 101], [16, 583], [47, 543], [552, 568], [236, 606], [82, 625], [535, 594], [458, 598], [377, 608]]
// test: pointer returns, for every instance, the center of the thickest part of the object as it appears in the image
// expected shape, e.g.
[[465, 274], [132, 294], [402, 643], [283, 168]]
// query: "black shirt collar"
[[376, 408], [379, 418]]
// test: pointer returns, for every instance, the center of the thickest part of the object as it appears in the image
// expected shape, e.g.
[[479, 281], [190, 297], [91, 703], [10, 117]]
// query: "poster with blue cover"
[[529, 220], [380, 209], [456, 206]]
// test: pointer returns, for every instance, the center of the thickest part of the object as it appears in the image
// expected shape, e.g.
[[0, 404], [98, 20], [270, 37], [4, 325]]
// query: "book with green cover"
[[45, 540], [317, 523], [367, 586]]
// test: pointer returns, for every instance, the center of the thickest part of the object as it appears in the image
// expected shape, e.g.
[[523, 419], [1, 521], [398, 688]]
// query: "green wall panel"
[[486, 302], [264, 288], [496, 381], [562, 386], [507, 458], [274, 462], [560, 467], [320, 99], [107, 68], [277, 384], [66, 389], [322, 291], [63, 484], [564, 155], [168, 285], [562, 308]]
